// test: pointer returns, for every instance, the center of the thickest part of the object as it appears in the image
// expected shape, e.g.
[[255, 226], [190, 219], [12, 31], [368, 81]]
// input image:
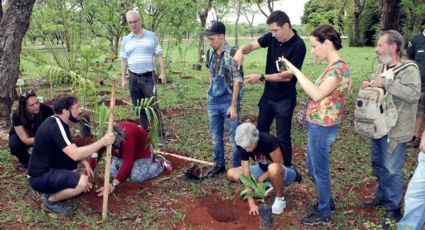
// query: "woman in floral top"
[[323, 116]]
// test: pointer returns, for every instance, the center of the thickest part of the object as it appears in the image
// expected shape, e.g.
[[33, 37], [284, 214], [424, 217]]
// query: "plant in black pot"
[[253, 189]]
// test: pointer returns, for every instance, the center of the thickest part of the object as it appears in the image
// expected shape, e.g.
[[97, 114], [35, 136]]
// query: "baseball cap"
[[215, 27]]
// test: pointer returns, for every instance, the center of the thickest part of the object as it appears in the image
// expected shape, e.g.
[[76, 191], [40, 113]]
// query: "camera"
[[281, 66]]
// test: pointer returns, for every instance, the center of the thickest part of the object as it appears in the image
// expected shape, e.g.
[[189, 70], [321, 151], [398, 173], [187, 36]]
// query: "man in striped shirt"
[[138, 50], [55, 158]]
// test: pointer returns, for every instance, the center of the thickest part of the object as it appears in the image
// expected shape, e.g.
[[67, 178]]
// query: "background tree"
[[13, 26], [390, 18], [358, 7], [249, 13], [269, 4]]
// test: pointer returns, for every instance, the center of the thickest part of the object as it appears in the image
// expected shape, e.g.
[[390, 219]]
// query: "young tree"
[[13, 25], [357, 13], [249, 13]]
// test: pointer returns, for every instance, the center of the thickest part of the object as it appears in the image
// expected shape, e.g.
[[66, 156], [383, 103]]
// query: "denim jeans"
[[144, 87], [281, 110], [290, 174], [319, 141], [414, 200], [387, 168]]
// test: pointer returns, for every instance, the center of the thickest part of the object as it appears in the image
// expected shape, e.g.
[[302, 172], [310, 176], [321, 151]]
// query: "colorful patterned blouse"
[[328, 111]]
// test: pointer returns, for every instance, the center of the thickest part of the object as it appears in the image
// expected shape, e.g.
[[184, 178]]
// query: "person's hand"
[[252, 78], [364, 84], [124, 83], [253, 210], [422, 144], [100, 190], [162, 78], [290, 67], [238, 59], [89, 170], [108, 139], [232, 112], [88, 187], [378, 82]]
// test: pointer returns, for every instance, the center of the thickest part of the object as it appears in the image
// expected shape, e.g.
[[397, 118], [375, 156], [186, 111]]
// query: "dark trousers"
[[19, 149], [143, 86], [281, 110]]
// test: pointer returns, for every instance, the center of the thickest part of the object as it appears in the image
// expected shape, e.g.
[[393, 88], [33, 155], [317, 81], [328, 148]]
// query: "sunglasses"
[[29, 93]]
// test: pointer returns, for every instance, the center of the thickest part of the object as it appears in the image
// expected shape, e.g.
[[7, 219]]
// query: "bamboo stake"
[[108, 155], [186, 158]]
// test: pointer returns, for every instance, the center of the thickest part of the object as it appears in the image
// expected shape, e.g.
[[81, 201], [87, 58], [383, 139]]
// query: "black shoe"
[[414, 143], [313, 208], [216, 170], [391, 219], [376, 202], [316, 218], [57, 207]]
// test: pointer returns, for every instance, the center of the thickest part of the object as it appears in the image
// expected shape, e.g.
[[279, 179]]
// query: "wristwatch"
[[114, 184], [262, 78]]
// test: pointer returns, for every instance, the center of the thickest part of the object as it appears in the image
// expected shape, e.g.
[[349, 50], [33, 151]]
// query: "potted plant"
[[258, 190], [146, 105]]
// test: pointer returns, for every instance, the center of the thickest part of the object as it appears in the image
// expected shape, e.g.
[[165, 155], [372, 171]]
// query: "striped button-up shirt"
[[140, 51]]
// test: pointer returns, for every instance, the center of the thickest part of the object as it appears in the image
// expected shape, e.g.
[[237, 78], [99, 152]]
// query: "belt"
[[145, 74]]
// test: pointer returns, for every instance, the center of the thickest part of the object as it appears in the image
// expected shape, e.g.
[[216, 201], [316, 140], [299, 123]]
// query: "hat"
[[215, 27]]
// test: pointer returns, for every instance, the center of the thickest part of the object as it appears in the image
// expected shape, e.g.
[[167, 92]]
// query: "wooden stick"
[[186, 158], [108, 156]]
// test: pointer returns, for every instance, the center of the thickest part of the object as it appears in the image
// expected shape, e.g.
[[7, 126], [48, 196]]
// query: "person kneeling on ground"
[[54, 157], [25, 121], [265, 150], [132, 156]]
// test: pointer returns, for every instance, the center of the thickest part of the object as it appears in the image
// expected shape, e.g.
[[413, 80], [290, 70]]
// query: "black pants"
[[281, 110], [19, 149], [143, 86]]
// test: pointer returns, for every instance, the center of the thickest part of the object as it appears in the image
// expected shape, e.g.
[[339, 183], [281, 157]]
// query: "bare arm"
[[232, 110], [162, 77], [124, 65], [23, 135], [81, 153], [245, 49]]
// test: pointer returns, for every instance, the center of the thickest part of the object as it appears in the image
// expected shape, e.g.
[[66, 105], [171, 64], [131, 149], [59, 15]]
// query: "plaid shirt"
[[231, 72]]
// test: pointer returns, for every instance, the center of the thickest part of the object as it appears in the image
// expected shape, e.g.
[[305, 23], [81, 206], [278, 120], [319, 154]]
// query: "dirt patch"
[[173, 112], [187, 77], [118, 102], [103, 93]]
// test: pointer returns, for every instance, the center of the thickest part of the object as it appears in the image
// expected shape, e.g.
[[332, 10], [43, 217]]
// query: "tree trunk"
[[1, 9], [417, 25], [116, 45], [238, 14], [356, 30], [203, 17], [390, 18], [13, 27]]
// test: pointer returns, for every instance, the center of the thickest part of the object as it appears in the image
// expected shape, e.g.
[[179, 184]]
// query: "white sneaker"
[[268, 190], [279, 205]]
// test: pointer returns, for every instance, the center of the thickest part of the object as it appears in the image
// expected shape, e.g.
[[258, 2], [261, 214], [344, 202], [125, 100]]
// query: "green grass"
[[188, 134]]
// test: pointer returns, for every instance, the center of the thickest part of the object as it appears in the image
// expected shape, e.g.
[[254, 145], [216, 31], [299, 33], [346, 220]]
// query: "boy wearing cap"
[[223, 99]]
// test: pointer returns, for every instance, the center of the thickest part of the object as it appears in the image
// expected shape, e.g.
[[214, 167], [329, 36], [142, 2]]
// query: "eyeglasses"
[[28, 94]]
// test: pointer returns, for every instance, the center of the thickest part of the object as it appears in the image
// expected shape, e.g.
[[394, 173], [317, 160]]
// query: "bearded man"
[[389, 151], [54, 157]]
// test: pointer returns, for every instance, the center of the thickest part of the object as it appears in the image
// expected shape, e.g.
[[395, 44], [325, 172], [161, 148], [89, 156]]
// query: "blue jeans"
[[414, 200], [281, 110], [319, 141], [387, 168]]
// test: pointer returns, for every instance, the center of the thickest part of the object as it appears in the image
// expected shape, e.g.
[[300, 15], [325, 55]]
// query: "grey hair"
[[119, 135], [394, 37], [132, 12], [246, 134]]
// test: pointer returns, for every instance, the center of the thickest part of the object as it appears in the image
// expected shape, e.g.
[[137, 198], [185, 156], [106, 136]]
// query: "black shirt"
[[294, 50], [261, 154], [52, 136], [416, 52], [32, 122]]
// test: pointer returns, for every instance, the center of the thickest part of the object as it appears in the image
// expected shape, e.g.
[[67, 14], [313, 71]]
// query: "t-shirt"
[[294, 50], [416, 52], [261, 154], [328, 111], [52, 136], [135, 146], [33, 122]]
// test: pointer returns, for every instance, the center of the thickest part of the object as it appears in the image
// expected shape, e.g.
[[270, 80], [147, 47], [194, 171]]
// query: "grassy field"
[[188, 134]]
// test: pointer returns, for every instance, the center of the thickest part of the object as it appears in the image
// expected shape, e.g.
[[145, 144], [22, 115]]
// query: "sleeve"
[[124, 55], [297, 58], [15, 120], [244, 155], [158, 49], [411, 49], [264, 41], [59, 135], [46, 110], [127, 153]]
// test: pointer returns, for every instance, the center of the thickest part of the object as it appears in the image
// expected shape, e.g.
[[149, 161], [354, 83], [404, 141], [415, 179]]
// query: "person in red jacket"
[[132, 156]]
